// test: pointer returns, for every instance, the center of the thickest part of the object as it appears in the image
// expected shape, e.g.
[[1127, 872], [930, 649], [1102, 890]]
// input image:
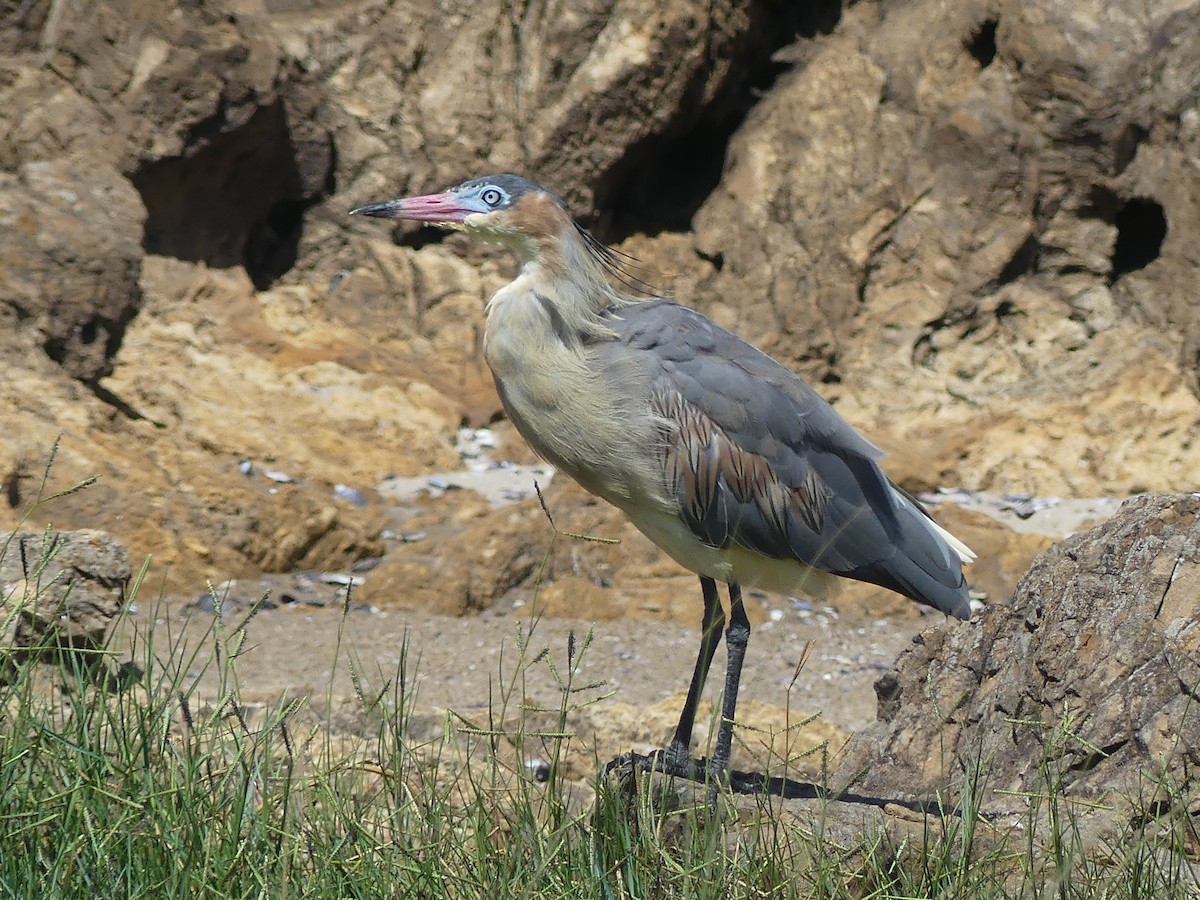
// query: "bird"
[[720, 455]]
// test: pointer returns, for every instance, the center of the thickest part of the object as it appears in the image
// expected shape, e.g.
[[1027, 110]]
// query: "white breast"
[[599, 433]]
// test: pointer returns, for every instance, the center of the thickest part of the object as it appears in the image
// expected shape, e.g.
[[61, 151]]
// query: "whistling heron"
[[717, 453]]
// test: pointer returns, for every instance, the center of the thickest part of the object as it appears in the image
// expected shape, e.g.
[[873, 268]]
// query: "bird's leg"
[[678, 755], [676, 759], [736, 639]]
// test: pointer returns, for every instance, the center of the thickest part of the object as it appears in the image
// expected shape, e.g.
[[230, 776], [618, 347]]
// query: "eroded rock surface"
[[59, 590], [979, 232], [1086, 683], [974, 224], [71, 256]]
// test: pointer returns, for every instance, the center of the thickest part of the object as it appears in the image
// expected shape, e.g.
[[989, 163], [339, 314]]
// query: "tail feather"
[[965, 554], [928, 560]]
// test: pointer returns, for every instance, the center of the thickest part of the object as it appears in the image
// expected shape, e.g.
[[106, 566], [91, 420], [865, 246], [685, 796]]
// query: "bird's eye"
[[491, 197]]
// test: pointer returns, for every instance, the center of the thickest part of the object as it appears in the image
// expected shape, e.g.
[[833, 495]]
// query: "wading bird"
[[717, 453]]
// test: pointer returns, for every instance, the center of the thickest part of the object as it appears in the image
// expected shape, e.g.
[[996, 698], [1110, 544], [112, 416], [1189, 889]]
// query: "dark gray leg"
[[736, 639], [678, 754]]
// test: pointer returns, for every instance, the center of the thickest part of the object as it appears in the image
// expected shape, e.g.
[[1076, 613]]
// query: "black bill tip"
[[386, 210]]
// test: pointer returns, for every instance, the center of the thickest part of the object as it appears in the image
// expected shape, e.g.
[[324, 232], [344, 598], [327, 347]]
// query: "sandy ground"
[[461, 662]]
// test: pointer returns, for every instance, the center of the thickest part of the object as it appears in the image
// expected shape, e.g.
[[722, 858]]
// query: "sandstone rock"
[[59, 590], [162, 80], [70, 258], [960, 229], [1086, 685], [429, 95], [974, 222], [225, 120]]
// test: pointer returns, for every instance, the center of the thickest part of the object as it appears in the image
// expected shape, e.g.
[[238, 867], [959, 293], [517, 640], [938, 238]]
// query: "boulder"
[[70, 260], [1086, 685], [59, 590]]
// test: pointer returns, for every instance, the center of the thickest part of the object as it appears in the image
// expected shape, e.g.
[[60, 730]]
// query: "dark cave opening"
[[236, 197], [670, 185], [1141, 229], [664, 181], [982, 44]]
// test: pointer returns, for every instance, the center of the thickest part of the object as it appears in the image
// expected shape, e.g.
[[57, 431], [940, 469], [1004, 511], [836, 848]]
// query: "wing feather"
[[756, 458]]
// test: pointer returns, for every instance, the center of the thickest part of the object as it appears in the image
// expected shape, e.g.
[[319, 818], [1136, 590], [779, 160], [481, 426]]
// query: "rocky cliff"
[[973, 224]]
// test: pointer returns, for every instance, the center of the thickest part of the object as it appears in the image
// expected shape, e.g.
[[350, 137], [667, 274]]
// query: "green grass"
[[119, 777], [134, 786]]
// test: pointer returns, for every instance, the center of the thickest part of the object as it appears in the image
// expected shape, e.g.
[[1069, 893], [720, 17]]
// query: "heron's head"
[[504, 208], [511, 210]]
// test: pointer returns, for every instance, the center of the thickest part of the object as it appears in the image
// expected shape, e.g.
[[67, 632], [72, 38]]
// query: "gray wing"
[[761, 460]]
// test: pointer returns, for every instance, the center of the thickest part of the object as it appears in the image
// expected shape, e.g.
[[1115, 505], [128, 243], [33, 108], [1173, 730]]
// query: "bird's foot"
[[680, 765], [665, 762]]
